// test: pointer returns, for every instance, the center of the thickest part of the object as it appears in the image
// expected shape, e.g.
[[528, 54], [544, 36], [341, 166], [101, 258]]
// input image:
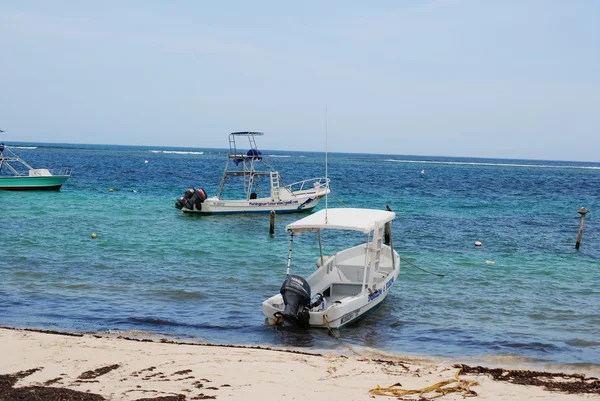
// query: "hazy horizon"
[[458, 78], [16, 144]]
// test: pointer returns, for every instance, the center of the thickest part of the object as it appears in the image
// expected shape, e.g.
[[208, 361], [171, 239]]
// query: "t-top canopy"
[[364, 220], [247, 133]]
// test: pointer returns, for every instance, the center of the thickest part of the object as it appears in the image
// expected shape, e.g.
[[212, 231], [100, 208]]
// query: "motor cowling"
[[199, 198], [189, 193], [296, 296], [192, 197], [201, 193]]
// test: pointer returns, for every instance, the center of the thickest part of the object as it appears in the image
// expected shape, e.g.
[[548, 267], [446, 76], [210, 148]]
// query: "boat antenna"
[[326, 166]]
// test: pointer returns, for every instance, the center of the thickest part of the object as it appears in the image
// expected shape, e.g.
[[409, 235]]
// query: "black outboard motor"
[[296, 297], [189, 193], [200, 198], [192, 197]]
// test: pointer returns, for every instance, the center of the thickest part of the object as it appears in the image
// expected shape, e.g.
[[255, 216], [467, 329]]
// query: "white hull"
[[295, 202]]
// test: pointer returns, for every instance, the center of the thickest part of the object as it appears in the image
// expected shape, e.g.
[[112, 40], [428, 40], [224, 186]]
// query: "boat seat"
[[344, 289], [355, 274], [39, 172]]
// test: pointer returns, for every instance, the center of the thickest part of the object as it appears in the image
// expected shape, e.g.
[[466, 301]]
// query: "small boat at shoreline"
[[18, 175], [346, 285], [263, 191]]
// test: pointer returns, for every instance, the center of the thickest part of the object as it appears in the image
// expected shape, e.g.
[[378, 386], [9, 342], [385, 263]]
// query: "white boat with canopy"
[[263, 189], [346, 285]]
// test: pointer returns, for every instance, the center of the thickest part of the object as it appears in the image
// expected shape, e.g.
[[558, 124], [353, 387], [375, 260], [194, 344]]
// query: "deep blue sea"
[[154, 269]]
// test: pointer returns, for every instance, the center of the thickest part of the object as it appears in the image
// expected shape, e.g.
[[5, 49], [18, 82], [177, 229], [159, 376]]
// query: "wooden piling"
[[583, 211], [272, 222], [388, 229]]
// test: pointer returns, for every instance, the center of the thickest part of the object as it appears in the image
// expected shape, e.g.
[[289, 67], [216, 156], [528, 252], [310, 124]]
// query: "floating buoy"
[[146, 161], [422, 171], [478, 243], [489, 262], [133, 190], [93, 235], [111, 190]]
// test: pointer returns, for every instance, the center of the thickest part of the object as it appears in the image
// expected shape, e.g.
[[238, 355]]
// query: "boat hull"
[[298, 204], [28, 183], [337, 315]]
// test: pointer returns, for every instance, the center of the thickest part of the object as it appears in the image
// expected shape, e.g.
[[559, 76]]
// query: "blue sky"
[[505, 79]]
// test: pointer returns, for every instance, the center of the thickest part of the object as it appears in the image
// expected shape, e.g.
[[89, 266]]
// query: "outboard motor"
[[198, 197], [296, 296], [192, 197], [189, 193]]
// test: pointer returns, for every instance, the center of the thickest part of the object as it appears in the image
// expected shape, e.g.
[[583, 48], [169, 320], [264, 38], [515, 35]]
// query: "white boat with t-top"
[[259, 186], [18, 175], [345, 285]]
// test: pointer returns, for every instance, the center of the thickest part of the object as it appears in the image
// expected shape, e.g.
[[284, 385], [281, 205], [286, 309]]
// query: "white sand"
[[152, 369]]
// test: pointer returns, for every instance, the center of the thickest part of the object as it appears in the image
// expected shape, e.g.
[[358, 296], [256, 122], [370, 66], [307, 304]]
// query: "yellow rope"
[[441, 388]]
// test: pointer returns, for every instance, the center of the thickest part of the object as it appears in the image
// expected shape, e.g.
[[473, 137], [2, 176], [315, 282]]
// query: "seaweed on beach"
[[568, 383], [92, 374], [39, 393]]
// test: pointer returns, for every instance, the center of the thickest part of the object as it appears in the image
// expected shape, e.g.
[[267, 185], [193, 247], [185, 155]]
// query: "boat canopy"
[[247, 133], [364, 220]]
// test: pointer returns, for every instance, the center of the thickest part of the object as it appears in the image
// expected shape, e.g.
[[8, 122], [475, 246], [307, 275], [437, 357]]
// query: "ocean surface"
[[525, 295]]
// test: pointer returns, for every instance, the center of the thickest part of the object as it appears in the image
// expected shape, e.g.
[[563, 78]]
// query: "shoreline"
[[128, 369]]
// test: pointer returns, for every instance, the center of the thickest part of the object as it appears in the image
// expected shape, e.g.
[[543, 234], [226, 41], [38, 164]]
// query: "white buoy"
[[111, 190], [489, 262], [93, 235], [422, 171], [146, 161], [478, 243]]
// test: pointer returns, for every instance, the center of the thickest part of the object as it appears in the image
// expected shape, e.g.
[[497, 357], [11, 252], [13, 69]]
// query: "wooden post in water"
[[388, 229], [272, 224], [583, 211]]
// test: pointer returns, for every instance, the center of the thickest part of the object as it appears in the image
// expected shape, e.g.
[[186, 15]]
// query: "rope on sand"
[[456, 385]]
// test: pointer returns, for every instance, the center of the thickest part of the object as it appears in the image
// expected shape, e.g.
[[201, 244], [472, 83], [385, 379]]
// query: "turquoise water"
[[154, 269]]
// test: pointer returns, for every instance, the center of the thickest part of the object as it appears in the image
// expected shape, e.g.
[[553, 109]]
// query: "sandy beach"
[[92, 367]]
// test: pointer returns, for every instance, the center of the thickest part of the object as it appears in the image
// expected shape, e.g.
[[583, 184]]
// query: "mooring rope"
[[420, 268], [338, 199], [338, 337]]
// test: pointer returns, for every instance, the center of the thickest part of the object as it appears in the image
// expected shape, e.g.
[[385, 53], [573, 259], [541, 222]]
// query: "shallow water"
[[152, 268]]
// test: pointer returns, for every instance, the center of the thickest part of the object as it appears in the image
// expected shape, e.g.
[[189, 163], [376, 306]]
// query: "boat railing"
[[60, 171], [314, 184]]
